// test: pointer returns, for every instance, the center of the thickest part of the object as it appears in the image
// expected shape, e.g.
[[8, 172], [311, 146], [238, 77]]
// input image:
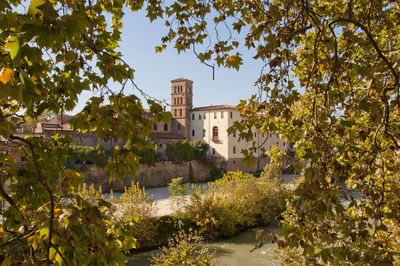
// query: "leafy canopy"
[[330, 85], [51, 51]]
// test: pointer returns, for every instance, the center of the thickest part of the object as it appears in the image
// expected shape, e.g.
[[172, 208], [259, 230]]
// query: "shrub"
[[135, 204], [182, 250], [187, 151], [234, 202], [128, 217], [87, 155], [178, 191], [148, 154], [216, 173]]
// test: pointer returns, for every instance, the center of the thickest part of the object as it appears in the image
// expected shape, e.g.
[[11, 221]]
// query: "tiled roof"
[[213, 107], [165, 135], [180, 79]]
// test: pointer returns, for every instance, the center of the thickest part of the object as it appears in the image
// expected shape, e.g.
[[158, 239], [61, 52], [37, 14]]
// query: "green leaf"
[[13, 46]]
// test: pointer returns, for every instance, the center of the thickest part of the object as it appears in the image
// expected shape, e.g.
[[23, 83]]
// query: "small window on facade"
[[204, 132], [154, 126], [284, 144], [255, 134], [222, 114], [180, 112], [234, 149], [213, 151], [192, 116], [165, 127], [262, 134], [179, 126], [175, 113], [160, 145], [215, 133], [199, 116], [215, 115], [234, 134], [175, 89], [231, 115], [174, 100], [188, 90], [192, 132], [204, 115]]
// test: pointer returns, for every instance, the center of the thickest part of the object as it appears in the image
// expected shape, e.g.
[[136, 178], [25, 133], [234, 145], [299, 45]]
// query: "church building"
[[210, 125]]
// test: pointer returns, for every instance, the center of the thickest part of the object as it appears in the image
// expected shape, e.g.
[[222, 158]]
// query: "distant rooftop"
[[214, 107], [180, 79]]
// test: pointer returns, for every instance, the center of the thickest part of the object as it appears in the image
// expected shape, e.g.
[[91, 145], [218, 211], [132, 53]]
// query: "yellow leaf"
[[6, 262], [6, 75], [57, 212]]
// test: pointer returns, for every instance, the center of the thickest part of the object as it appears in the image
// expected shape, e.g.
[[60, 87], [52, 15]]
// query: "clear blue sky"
[[154, 71]]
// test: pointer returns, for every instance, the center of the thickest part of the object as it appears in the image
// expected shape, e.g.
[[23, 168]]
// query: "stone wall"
[[159, 174]]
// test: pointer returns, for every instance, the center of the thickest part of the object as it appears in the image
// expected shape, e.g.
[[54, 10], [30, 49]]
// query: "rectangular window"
[[255, 134], [222, 114], [215, 115], [192, 116], [213, 152], [204, 132], [262, 134], [199, 116], [192, 132], [204, 115], [180, 112], [179, 126], [234, 134], [231, 115], [234, 149], [160, 145]]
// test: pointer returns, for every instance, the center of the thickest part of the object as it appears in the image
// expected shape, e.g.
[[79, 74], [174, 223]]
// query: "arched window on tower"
[[175, 89], [174, 100], [215, 133], [175, 113], [180, 112], [188, 90]]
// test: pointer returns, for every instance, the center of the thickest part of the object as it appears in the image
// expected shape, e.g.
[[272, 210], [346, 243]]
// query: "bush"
[[128, 217], [178, 192], [182, 250], [148, 155], [235, 202], [216, 173], [187, 151], [79, 154]]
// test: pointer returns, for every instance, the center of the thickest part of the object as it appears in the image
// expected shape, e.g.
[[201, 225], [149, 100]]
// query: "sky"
[[154, 71]]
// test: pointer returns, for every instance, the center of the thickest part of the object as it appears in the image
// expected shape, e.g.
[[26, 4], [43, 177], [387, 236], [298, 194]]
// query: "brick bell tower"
[[181, 104]]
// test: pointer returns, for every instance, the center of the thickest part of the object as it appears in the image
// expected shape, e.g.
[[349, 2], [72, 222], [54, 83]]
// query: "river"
[[234, 251]]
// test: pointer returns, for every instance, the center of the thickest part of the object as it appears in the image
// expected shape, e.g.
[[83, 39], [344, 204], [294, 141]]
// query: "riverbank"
[[233, 251]]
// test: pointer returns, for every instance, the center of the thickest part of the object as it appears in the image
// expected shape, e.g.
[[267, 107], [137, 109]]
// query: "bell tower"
[[181, 104]]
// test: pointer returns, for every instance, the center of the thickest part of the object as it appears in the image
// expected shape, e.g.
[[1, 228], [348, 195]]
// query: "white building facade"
[[210, 124]]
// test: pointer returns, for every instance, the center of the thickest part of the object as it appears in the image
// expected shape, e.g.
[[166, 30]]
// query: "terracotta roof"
[[213, 107], [65, 118], [180, 79], [165, 135]]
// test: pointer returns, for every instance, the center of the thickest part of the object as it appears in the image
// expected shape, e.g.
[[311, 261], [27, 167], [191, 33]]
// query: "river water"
[[234, 251]]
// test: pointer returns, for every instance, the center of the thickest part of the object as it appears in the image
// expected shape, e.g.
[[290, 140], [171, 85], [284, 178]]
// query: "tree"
[[330, 85], [51, 51]]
